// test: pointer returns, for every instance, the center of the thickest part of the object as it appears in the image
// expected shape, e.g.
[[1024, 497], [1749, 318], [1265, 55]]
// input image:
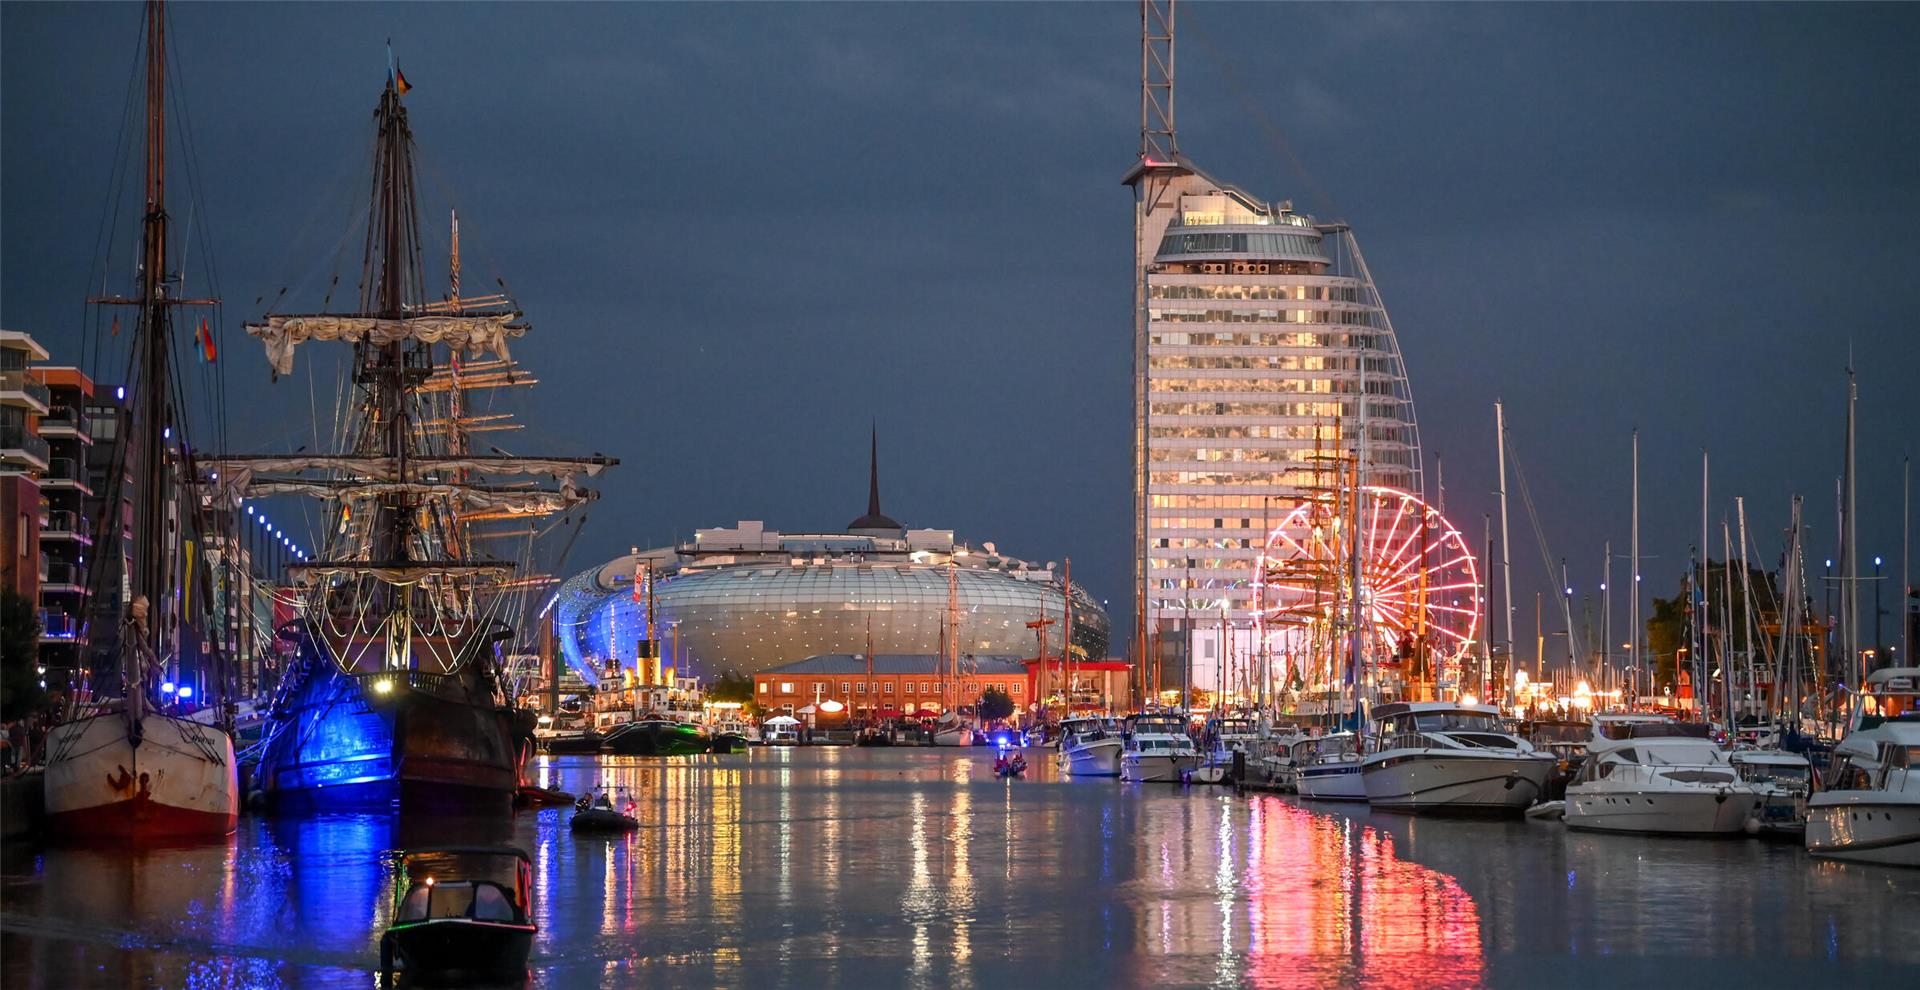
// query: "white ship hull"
[[1689, 811], [1151, 768], [953, 737], [1865, 827], [1331, 782], [178, 784], [1100, 758], [1414, 780]]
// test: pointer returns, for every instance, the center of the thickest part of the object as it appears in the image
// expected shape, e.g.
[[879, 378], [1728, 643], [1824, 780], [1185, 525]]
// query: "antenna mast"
[[1157, 139]]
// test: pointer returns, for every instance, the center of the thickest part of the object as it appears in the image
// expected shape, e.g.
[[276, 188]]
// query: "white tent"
[[781, 720]]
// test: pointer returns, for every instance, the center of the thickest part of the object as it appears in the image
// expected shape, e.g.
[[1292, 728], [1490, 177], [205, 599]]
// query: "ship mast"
[[151, 554]]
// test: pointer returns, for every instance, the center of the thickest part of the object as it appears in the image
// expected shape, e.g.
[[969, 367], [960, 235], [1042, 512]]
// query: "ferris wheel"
[[1419, 586]]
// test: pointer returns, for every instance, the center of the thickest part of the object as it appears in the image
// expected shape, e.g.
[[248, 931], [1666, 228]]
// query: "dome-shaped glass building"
[[748, 598]]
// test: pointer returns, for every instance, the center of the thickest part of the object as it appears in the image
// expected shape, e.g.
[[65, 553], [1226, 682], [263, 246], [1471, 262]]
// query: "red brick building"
[[898, 683]]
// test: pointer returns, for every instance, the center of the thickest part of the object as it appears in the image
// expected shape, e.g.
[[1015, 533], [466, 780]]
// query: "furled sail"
[[385, 469], [478, 333], [397, 573], [514, 501]]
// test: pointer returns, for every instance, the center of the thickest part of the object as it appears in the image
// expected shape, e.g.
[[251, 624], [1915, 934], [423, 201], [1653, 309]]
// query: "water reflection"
[[918, 868]]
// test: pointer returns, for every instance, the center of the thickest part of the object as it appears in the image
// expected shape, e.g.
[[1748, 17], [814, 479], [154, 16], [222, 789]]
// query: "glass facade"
[[1239, 417], [749, 616]]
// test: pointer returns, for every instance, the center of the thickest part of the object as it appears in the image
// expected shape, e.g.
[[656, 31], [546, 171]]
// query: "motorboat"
[[727, 736], [580, 743], [1275, 762], [1227, 738], [1158, 749], [1869, 811], [461, 916], [780, 730], [1566, 739], [1328, 768], [1782, 780], [656, 737], [1648, 773], [1090, 747], [1431, 756]]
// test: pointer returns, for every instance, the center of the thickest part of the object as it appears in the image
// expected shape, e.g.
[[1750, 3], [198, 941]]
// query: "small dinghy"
[[460, 917], [1548, 810], [602, 820], [599, 815]]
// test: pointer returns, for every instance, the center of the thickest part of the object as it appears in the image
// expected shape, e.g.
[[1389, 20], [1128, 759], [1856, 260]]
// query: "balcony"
[[16, 389], [56, 625], [21, 450], [64, 578], [66, 474], [66, 423], [66, 524]]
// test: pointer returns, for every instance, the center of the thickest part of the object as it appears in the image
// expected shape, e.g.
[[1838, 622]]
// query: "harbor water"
[[832, 867]]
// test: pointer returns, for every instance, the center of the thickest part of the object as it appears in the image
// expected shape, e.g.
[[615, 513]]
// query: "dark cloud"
[[742, 232]]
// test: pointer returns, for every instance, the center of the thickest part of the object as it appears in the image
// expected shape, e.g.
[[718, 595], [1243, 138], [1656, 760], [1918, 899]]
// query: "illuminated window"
[[763, 687], [786, 687]]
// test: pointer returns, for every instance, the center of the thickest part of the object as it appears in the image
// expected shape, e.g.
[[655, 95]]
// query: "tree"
[[20, 690], [1670, 628], [732, 686], [995, 704]]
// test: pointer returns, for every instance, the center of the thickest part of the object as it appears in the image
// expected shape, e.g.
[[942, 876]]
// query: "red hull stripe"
[[140, 820]]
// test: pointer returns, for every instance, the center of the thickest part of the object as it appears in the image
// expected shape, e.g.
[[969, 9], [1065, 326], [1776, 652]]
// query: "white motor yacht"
[[1647, 773], [1090, 747], [1328, 768], [1870, 809], [1428, 756], [1226, 737], [1782, 780], [1158, 749]]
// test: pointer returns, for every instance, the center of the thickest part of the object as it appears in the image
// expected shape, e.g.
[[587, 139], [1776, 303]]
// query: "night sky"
[[743, 233]]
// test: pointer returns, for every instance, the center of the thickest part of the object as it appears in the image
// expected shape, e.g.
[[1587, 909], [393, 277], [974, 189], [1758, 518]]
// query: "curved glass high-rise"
[[1263, 353]]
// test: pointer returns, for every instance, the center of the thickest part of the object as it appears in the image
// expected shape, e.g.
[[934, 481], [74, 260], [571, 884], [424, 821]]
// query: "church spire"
[[873, 473], [874, 519]]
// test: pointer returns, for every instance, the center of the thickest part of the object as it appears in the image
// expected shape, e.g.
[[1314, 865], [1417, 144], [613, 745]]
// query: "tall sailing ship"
[[128, 768], [400, 692]]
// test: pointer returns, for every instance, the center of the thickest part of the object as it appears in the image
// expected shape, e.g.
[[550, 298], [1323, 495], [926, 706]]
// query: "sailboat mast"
[[1746, 588], [1783, 672], [1506, 561], [389, 224], [152, 552], [1704, 610], [1849, 551], [1066, 637], [1606, 612]]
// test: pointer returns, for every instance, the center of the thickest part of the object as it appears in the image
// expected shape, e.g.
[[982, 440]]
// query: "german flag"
[[400, 81]]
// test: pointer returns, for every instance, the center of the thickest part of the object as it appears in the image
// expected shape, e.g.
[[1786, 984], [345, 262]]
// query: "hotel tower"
[[1257, 333]]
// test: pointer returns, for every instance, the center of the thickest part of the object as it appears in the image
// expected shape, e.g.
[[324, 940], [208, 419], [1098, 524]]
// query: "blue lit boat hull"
[[340, 745]]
